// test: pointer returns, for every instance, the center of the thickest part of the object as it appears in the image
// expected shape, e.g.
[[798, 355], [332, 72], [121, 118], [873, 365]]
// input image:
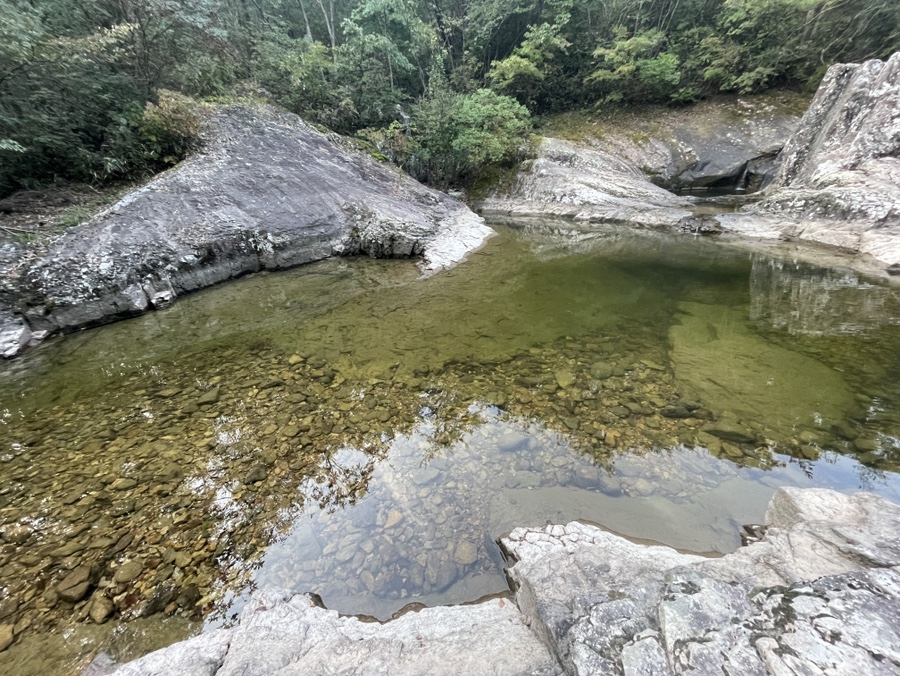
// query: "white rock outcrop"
[[818, 594]]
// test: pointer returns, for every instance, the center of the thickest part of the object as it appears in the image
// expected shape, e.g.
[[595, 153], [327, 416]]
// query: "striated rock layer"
[[839, 177], [819, 593], [570, 181], [267, 192]]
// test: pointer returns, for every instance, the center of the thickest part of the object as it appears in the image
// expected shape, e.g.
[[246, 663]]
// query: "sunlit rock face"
[[803, 299], [268, 191]]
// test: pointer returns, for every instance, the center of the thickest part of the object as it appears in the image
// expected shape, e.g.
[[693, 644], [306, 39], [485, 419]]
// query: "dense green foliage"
[[438, 82]]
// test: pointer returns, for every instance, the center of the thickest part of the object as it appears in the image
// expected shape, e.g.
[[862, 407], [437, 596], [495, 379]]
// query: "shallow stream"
[[349, 429]]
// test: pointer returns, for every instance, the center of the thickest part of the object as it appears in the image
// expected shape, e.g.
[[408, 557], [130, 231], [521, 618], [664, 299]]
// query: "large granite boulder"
[[727, 142], [839, 177], [268, 191], [623, 168], [572, 181]]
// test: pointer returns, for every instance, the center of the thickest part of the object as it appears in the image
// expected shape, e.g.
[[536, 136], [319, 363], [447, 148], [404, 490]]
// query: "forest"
[[99, 91]]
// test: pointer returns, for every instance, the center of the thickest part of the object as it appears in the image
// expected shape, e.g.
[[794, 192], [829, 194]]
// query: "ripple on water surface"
[[349, 430]]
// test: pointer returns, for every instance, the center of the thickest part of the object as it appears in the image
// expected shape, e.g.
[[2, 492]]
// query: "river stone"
[[564, 378], [601, 370], [511, 441], [393, 518], [101, 609], [266, 191], [75, 585], [425, 475], [465, 553], [128, 571], [15, 533], [256, 474], [6, 636], [211, 396], [8, 606], [721, 362], [729, 430]]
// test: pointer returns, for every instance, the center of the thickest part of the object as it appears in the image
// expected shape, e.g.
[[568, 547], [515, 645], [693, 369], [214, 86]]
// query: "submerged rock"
[[721, 361], [268, 191]]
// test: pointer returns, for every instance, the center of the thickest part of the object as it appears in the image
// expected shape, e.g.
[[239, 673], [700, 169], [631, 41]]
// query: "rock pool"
[[349, 429]]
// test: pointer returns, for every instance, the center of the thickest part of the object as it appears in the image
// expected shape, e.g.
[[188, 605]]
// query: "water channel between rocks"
[[348, 429]]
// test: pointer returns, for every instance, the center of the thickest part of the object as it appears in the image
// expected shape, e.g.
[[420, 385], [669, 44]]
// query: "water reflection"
[[349, 431], [804, 299]]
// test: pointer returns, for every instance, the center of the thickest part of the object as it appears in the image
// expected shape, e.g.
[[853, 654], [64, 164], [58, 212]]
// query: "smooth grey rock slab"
[[282, 633], [586, 184], [267, 191]]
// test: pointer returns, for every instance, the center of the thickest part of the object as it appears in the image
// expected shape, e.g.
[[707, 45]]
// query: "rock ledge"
[[818, 594]]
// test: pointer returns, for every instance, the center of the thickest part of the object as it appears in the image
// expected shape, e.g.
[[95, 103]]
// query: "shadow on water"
[[349, 430]]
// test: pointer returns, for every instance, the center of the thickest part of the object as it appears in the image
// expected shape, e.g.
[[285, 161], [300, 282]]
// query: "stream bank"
[[828, 178], [803, 598]]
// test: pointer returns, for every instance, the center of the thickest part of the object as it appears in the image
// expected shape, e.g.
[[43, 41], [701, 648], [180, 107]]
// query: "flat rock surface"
[[282, 633], [267, 191], [819, 594]]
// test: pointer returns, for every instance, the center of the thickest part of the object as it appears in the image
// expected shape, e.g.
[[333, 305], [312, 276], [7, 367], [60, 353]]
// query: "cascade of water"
[[741, 185]]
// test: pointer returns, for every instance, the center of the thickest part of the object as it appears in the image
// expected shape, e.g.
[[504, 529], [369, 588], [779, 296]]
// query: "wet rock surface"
[[839, 173], [267, 192]]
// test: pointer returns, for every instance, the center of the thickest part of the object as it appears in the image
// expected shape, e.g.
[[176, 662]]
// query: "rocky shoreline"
[[267, 192], [829, 178], [270, 192], [817, 593]]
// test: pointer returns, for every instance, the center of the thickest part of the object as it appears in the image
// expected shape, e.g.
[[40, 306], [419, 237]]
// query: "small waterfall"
[[741, 185]]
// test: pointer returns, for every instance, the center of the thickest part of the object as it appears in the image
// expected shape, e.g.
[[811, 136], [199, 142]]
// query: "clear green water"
[[351, 430]]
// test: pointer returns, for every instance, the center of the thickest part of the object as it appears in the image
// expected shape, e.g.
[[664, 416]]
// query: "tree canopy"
[[95, 90]]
